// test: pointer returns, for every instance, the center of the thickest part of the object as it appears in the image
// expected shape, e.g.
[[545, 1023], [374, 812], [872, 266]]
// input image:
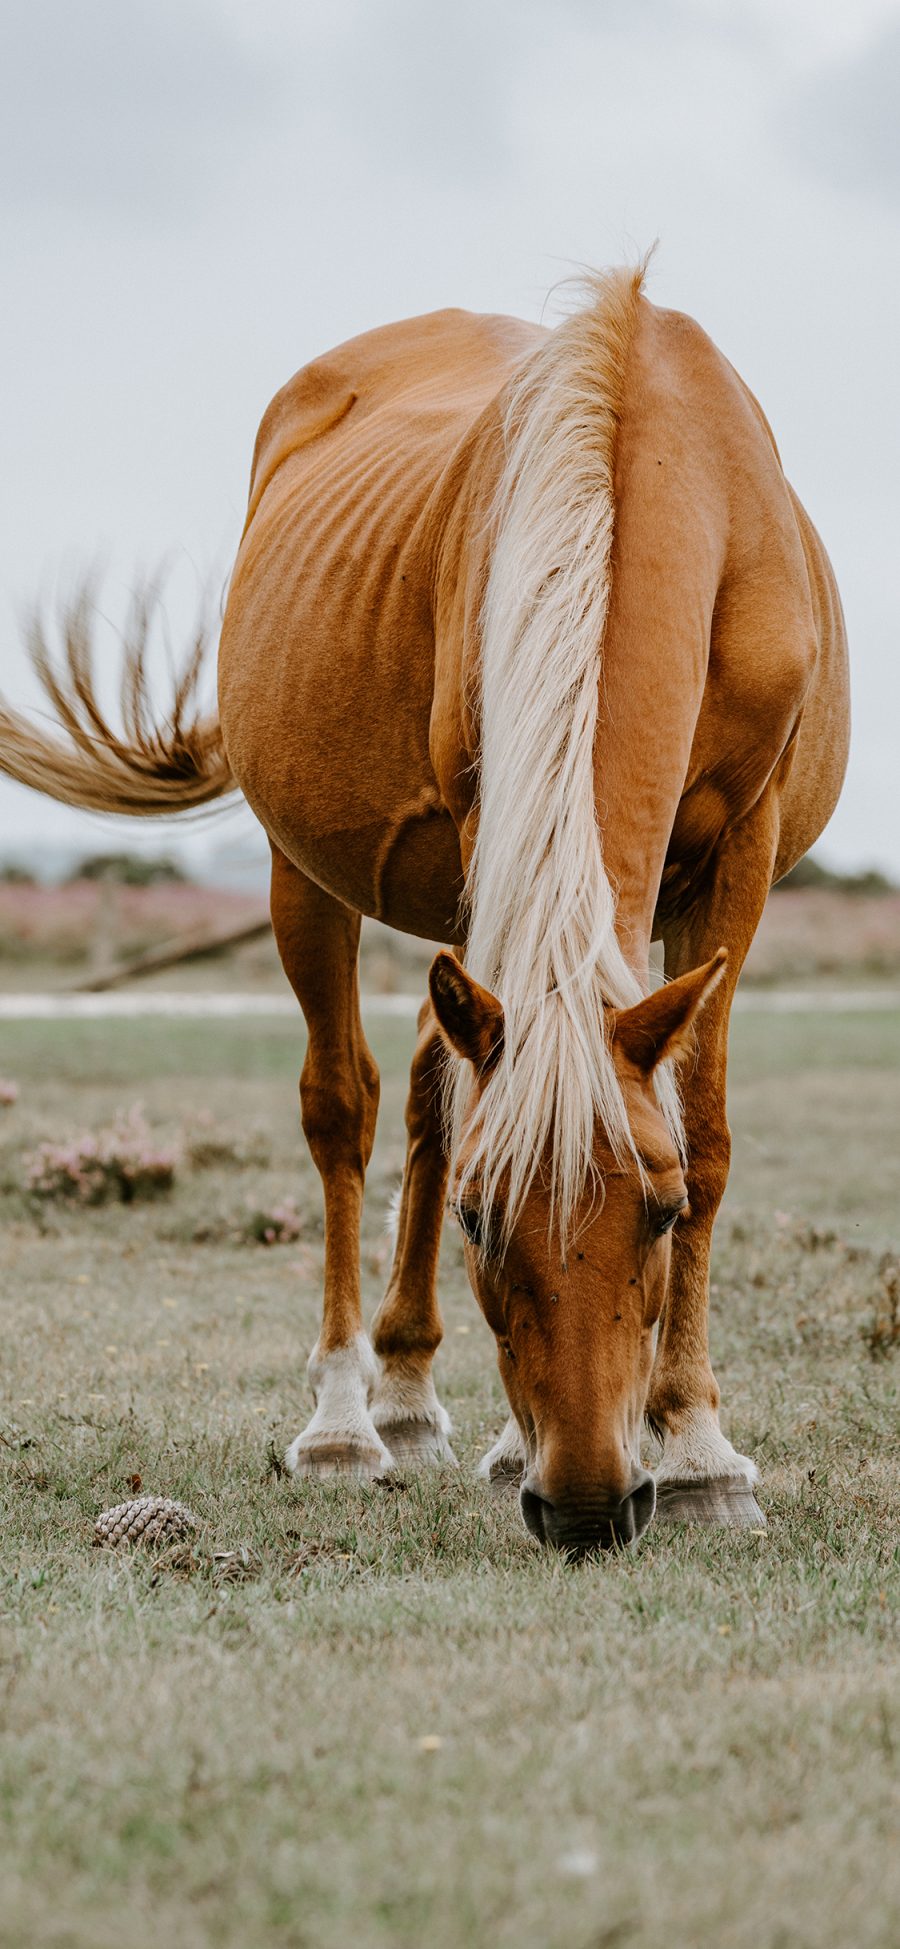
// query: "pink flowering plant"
[[122, 1162], [208, 1146], [9, 1092], [277, 1224]]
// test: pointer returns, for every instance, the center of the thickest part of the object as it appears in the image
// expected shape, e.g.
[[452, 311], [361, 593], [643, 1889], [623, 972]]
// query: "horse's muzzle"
[[582, 1528]]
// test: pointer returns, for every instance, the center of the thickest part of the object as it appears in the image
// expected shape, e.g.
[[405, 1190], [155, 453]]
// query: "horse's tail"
[[155, 765]]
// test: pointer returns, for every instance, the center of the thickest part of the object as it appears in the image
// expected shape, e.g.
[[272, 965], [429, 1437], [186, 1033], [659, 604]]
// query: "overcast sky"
[[197, 196]]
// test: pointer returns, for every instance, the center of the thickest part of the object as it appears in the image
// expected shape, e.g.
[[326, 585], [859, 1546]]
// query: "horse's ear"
[[660, 1026], [469, 1017]]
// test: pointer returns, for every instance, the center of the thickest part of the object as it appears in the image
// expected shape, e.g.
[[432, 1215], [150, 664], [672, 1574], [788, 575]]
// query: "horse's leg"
[[701, 1478], [408, 1329], [318, 940]]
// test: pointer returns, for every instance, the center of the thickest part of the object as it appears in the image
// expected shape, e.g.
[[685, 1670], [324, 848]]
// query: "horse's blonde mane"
[[541, 911]]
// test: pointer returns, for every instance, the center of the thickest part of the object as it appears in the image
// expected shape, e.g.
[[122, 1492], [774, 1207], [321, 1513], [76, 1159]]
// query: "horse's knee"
[[707, 1174], [338, 1114], [424, 1111]]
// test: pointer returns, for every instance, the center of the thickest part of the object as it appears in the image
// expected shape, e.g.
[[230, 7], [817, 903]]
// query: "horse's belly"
[[345, 789], [326, 709], [326, 683], [407, 874]]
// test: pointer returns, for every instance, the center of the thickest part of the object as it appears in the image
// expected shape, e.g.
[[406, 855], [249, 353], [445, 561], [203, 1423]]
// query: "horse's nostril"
[[582, 1527], [643, 1501], [537, 1513]]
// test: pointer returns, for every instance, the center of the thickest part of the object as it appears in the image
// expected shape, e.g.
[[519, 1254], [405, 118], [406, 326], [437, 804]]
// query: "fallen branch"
[[191, 947]]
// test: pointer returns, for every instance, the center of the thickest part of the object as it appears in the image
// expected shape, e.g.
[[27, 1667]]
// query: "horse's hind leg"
[[408, 1329], [318, 940]]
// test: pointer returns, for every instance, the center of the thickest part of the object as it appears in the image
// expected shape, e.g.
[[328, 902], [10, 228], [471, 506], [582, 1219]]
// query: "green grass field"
[[379, 1716]]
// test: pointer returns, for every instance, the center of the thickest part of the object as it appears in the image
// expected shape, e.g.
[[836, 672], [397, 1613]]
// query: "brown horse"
[[529, 647]]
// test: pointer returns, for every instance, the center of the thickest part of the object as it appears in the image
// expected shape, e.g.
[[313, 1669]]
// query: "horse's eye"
[[664, 1220], [472, 1225]]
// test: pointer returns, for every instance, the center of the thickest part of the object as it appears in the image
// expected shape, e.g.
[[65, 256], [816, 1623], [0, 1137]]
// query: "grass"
[[379, 1715]]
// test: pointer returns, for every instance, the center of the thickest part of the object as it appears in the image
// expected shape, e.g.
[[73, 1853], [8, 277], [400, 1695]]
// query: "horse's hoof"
[[724, 1501], [504, 1465], [325, 1456], [417, 1444]]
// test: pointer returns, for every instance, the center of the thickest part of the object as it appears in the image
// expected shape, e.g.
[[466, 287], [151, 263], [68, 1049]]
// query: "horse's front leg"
[[701, 1477], [318, 940], [408, 1329]]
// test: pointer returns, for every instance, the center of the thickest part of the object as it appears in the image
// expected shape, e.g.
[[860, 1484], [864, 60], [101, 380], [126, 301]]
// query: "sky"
[[198, 196]]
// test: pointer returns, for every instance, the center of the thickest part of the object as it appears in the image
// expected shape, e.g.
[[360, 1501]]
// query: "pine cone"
[[148, 1521]]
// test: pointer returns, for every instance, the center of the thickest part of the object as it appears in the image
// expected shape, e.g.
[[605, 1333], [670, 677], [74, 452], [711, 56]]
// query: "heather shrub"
[[882, 1336], [814, 932], [59, 924], [123, 1162], [280, 1224], [208, 1147], [129, 870]]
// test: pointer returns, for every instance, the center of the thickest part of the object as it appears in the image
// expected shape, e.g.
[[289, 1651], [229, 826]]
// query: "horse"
[[529, 648]]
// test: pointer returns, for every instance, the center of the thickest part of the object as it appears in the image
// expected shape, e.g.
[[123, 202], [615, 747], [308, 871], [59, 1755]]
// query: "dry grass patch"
[[378, 1714]]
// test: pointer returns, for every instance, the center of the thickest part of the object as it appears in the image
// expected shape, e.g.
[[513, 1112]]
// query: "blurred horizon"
[[242, 865]]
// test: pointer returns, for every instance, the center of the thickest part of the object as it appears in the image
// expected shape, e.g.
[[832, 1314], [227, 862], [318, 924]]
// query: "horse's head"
[[575, 1323]]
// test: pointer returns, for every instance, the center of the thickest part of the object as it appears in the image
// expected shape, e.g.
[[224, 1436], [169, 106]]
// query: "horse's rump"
[[327, 657]]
